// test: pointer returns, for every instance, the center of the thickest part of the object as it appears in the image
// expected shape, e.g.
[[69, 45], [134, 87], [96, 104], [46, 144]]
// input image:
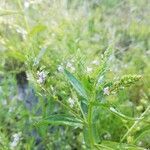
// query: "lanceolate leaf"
[[76, 84], [122, 146], [37, 29], [60, 119], [114, 111]]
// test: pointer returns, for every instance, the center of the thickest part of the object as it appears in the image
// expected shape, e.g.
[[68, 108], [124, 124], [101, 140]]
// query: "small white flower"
[[4, 102], [26, 4], [41, 77], [40, 81], [23, 32], [70, 66], [11, 109], [106, 91], [16, 139], [60, 68], [89, 69], [107, 136], [13, 144], [73, 69], [95, 62], [140, 143], [96, 38], [30, 76], [113, 109], [71, 102]]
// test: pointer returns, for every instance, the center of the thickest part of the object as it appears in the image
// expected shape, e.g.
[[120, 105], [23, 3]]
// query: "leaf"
[[37, 29], [122, 146], [145, 133], [60, 119], [16, 54], [40, 55], [86, 136], [76, 84], [114, 111]]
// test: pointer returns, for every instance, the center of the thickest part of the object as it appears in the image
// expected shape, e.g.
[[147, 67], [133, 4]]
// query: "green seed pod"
[[125, 81]]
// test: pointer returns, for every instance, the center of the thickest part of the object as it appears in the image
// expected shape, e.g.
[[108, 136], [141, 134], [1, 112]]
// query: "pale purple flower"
[[41, 77], [69, 65], [60, 68], [106, 91], [95, 62]]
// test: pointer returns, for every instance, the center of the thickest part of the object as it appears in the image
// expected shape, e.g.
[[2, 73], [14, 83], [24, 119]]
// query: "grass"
[[74, 74]]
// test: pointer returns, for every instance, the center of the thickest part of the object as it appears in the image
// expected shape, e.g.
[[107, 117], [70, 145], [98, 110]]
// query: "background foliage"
[[42, 35]]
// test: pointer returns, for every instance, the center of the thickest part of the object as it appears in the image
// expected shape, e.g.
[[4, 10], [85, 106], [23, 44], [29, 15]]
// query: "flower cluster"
[[125, 81], [70, 66], [71, 102], [22, 32], [92, 66], [106, 91], [60, 68], [27, 3], [41, 76], [107, 136], [89, 69], [16, 139]]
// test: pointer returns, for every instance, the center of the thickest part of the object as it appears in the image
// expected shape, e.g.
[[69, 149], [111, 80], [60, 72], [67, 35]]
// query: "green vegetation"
[[74, 75]]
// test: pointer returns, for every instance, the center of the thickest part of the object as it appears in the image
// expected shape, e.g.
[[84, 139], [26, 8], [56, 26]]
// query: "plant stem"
[[135, 124], [25, 18], [65, 106], [90, 126], [84, 117], [100, 146]]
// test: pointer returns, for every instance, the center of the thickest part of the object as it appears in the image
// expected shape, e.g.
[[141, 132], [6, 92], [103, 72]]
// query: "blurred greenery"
[[37, 35]]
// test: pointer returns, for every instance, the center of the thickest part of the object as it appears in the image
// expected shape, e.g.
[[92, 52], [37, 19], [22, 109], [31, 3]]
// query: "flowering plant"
[[82, 111]]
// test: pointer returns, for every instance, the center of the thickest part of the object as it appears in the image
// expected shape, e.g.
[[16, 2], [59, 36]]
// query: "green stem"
[[25, 18], [65, 106], [90, 132], [135, 124], [100, 147], [84, 117]]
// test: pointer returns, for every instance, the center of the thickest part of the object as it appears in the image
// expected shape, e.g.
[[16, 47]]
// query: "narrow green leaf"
[[145, 133], [37, 29], [114, 111], [60, 119], [122, 146], [16, 54], [40, 55], [76, 84]]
